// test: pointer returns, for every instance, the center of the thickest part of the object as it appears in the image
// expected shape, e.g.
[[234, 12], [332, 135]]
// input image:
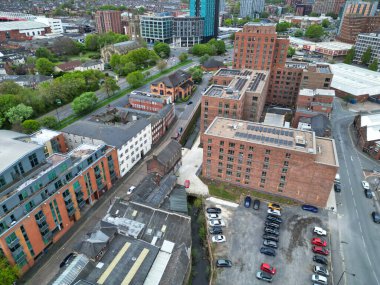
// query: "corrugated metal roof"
[[72, 271], [21, 25]]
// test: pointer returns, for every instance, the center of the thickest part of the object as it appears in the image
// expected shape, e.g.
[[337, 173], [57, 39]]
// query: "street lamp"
[[59, 102], [352, 274]]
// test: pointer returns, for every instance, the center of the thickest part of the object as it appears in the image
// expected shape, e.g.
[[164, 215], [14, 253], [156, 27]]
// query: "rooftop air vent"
[[300, 141]]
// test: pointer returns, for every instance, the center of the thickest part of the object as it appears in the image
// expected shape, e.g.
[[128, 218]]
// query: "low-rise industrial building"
[[367, 127], [22, 30], [167, 160], [148, 102], [287, 162]]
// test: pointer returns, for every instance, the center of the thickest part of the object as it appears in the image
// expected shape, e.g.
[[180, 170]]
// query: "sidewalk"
[[191, 163]]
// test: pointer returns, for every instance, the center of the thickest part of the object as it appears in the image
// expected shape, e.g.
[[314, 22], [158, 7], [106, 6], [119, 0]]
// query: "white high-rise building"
[[251, 8], [54, 24]]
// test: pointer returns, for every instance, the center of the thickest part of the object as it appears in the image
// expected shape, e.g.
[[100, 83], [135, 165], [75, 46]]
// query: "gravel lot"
[[244, 230]]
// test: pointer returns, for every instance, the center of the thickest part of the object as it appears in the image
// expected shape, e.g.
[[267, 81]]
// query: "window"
[[209, 154], [229, 172], [230, 158], [241, 146], [220, 170], [262, 180], [283, 178], [220, 164], [248, 170], [221, 143], [33, 160], [265, 166], [231, 145], [284, 170], [286, 163], [209, 147], [250, 155], [281, 185], [2, 181], [267, 151], [266, 159], [231, 152], [229, 166], [249, 162], [247, 177], [209, 141], [238, 174], [239, 168], [221, 150], [208, 161], [221, 157], [287, 155], [250, 148], [264, 173]]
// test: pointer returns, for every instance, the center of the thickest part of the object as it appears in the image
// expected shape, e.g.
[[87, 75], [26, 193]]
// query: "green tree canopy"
[[65, 46], [374, 66], [228, 22], [8, 273], [93, 42], [10, 87], [162, 49], [49, 122], [283, 27], [349, 56], [135, 79], [196, 73], [110, 85], [314, 31], [332, 15], [19, 113], [264, 15], [366, 57], [298, 33], [84, 103], [44, 66], [291, 51], [314, 14], [31, 126], [203, 58], [325, 23], [219, 46], [183, 57], [43, 52]]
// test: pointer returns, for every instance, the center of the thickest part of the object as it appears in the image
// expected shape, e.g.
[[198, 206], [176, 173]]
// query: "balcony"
[[71, 211], [69, 204], [81, 203], [78, 190], [20, 257], [43, 227], [47, 237], [13, 243], [67, 198], [79, 195]]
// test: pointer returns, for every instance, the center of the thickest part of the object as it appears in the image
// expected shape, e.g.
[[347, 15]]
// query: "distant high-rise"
[[209, 10], [108, 21], [251, 8], [328, 6]]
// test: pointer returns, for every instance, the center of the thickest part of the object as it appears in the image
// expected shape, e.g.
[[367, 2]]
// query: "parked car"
[[319, 278], [274, 219], [319, 231], [272, 225], [130, 190], [318, 242], [376, 217], [223, 263], [256, 204], [365, 185], [274, 206], [190, 102], [215, 230], [247, 202], [218, 238], [321, 270], [270, 243], [219, 222], [274, 212], [264, 276], [213, 216], [337, 187], [310, 208], [271, 231], [213, 210], [268, 251], [267, 268], [67, 259], [320, 250], [270, 237], [320, 259], [368, 193], [187, 183]]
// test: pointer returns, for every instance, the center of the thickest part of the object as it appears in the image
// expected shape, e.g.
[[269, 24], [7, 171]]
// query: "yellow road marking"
[[135, 267]]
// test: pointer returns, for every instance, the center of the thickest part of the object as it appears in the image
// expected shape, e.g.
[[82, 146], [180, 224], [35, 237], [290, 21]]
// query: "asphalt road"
[[358, 233]]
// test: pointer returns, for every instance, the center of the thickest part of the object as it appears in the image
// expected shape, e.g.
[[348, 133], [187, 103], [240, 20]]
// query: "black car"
[[270, 237], [272, 225], [376, 217], [271, 231], [337, 187], [368, 193], [270, 243], [274, 219], [247, 202], [310, 208], [268, 251], [213, 210], [215, 230], [256, 204], [223, 263], [320, 259], [190, 102], [66, 260]]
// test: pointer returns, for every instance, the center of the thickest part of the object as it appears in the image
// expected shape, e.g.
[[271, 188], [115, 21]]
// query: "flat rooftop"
[[279, 137], [317, 92], [355, 80], [232, 72], [43, 135], [370, 120], [333, 46], [21, 25]]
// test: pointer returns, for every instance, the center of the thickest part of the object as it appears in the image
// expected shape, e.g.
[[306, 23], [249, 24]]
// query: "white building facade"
[[54, 24], [251, 8]]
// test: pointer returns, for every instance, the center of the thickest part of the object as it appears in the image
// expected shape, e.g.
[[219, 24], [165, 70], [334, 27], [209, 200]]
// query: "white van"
[[337, 178]]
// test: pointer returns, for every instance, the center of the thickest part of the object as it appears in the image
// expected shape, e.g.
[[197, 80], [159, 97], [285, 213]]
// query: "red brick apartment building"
[[353, 24], [237, 94], [281, 161], [313, 102], [108, 21], [148, 102], [40, 208]]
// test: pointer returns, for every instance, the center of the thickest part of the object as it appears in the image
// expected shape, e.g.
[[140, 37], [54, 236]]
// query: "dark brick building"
[[169, 159], [108, 21]]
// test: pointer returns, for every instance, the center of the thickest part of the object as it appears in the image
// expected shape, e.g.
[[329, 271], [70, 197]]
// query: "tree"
[[350, 56], [314, 31], [110, 85], [219, 46], [203, 58], [282, 27], [264, 15], [44, 66], [325, 23], [65, 46], [332, 15], [183, 57], [31, 126], [162, 49], [19, 113], [161, 65], [366, 57], [84, 103], [43, 52], [135, 78], [127, 68], [49, 122], [196, 74], [374, 66], [228, 22], [10, 87], [8, 273], [91, 42], [291, 51], [232, 37], [298, 33], [314, 14]]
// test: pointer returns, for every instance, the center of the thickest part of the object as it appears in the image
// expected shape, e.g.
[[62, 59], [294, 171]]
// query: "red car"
[[319, 242], [320, 250], [267, 268], [187, 183]]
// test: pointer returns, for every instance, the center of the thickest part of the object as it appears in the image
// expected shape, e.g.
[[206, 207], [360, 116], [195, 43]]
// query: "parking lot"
[[243, 232]]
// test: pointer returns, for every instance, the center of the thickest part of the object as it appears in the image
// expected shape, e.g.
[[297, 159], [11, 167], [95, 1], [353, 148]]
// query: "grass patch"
[[85, 56], [233, 193], [72, 118]]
